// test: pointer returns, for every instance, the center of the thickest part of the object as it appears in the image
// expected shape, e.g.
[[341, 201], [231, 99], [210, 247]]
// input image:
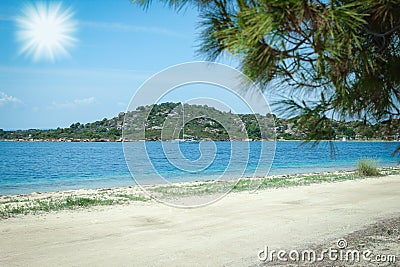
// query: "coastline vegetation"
[[16, 206], [368, 167], [109, 130], [267, 183], [29, 204]]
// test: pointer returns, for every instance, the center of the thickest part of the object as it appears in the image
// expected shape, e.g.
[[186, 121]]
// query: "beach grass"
[[368, 167], [14, 207], [48, 202], [218, 187], [132, 197]]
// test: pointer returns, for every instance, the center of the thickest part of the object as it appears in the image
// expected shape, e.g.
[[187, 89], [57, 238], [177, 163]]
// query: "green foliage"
[[16, 206], [344, 55], [51, 205], [132, 197], [84, 202], [367, 167], [349, 132], [204, 128]]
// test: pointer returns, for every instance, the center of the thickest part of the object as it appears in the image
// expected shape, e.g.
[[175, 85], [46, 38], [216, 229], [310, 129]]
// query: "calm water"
[[38, 167]]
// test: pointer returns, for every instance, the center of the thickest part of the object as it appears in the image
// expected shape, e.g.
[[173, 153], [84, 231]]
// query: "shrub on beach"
[[368, 167]]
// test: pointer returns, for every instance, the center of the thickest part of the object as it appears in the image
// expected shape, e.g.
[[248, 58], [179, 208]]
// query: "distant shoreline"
[[120, 141], [149, 123]]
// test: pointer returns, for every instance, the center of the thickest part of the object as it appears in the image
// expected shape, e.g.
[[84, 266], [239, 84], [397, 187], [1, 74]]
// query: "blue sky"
[[118, 46]]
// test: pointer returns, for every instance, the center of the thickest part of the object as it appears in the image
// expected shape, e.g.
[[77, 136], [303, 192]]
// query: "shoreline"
[[206, 140], [188, 183], [39, 202]]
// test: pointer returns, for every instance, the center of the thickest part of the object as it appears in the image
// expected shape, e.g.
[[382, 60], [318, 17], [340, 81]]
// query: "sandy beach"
[[229, 232]]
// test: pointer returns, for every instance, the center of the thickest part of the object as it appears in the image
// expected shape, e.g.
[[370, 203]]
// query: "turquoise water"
[[43, 166]]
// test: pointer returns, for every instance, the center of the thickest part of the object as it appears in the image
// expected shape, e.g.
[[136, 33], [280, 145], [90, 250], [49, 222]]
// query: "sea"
[[27, 167]]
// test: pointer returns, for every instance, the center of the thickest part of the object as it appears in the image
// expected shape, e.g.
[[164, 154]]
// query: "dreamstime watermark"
[[178, 154], [339, 253]]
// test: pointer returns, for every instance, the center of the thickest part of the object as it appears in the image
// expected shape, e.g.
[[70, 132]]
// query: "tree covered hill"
[[198, 125]]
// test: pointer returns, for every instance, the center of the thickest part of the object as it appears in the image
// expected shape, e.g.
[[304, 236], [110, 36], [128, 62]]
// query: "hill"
[[223, 126]]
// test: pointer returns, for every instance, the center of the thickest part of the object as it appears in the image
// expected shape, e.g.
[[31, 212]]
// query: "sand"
[[229, 232]]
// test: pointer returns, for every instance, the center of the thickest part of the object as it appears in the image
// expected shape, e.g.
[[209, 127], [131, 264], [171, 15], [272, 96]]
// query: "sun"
[[45, 31]]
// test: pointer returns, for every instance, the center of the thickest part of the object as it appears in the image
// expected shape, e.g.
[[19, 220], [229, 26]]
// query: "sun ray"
[[45, 31]]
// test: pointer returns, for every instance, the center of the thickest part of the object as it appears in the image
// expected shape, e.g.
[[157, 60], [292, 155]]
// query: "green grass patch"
[[72, 202], [132, 197], [49, 204], [367, 167], [242, 185], [11, 208]]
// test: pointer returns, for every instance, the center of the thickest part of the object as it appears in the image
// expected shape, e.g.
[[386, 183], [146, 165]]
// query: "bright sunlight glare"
[[45, 31]]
